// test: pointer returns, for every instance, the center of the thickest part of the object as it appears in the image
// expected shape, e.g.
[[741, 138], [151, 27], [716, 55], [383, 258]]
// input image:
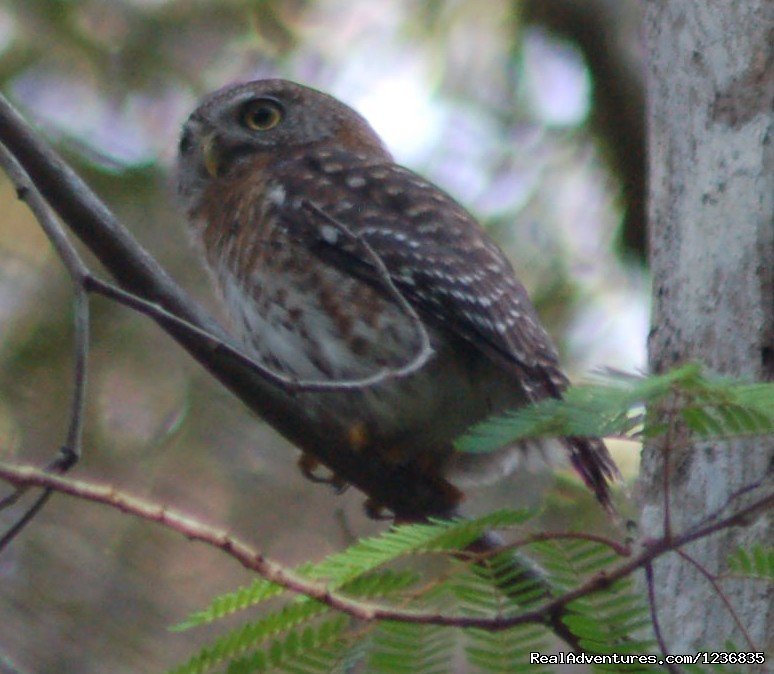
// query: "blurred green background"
[[529, 112]]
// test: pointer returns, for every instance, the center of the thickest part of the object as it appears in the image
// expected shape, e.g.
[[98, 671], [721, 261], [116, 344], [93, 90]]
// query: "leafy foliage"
[[293, 638], [259, 590], [497, 588], [605, 621], [303, 635], [709, 406], [436, 536], [313, 649], [400, 648], [758, 562], [297, 612]]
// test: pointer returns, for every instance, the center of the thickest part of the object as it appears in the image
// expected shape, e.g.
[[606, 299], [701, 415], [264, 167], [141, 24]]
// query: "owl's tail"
[[593, 462]]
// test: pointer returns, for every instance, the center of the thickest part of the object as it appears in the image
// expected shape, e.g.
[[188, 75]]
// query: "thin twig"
[[291, 384], [70, 452], [408, 491], [29, 194], [723, 597], [82, 277], [276, 573], [28, 515], [730, 500], [78, 272], [425, 350], [654, 618], [74, 441], [621, 549]]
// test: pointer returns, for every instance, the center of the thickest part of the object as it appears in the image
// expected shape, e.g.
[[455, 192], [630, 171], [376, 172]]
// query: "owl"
[[343, 269]]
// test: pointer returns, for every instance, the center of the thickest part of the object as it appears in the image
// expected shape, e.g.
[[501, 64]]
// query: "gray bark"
[[711, 88]]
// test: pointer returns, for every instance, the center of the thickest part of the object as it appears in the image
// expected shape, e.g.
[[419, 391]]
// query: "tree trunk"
[[711, 88]]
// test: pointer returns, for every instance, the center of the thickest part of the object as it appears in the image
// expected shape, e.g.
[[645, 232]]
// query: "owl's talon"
[[308, 465], [376, 511]]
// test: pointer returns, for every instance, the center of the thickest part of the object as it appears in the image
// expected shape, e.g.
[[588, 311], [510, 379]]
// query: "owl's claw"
[[376, 511], [308, 465]]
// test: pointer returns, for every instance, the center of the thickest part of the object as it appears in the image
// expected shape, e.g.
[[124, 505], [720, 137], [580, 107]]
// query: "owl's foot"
[[309, 465], [376, 511]]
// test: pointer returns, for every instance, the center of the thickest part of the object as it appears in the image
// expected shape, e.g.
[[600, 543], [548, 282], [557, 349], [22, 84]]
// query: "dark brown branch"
[[211, 344], [654, 617], [404, 489], [272, 571]]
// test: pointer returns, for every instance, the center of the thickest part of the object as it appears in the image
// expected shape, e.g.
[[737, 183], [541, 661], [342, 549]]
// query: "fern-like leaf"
[[757, 562], [507, 651], [496, 588], [298, 612], [311, 650], [603, 621], [401, 648], [709, 406], [407, 539], [251, 635], [258, 591]]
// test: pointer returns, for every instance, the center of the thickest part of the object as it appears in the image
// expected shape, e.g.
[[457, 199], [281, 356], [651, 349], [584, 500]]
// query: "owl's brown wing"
[[443, 263], [436, 253]]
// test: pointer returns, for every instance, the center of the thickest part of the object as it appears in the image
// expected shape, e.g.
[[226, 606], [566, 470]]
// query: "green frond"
[[311, 650], [500, 588], [709, 406], [226, 604], [251, 635], [503, 585], [757, 562], [299, 611], [401, 648], [507, 651], [407, 539], [380, 583], [606, 621], [570, 562]]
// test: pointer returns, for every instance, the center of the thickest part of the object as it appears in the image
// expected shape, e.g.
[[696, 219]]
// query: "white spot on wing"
[[276, 195], [329, 234]]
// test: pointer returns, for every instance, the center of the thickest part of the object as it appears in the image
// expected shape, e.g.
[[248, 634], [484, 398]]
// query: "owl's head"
[[263, 121]]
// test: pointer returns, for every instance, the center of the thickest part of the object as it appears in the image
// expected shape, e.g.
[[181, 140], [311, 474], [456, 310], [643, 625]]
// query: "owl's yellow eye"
[[261, 114]]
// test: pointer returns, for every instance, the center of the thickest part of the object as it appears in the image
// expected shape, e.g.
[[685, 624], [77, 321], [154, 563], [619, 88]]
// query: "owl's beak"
[[211, 155]]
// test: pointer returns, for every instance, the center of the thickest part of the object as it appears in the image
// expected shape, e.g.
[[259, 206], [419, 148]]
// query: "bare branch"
[[78, 272], [621, 549], [289, 384], [404, 489], [70, 452], [425, 351], [251, 559], [654, 617], [712, 580]]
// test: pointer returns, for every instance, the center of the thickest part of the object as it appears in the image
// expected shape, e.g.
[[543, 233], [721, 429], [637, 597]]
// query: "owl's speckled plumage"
[[271, 207]]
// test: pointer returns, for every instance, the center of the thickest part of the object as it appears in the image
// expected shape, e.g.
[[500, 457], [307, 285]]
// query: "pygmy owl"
[[336, 263]]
